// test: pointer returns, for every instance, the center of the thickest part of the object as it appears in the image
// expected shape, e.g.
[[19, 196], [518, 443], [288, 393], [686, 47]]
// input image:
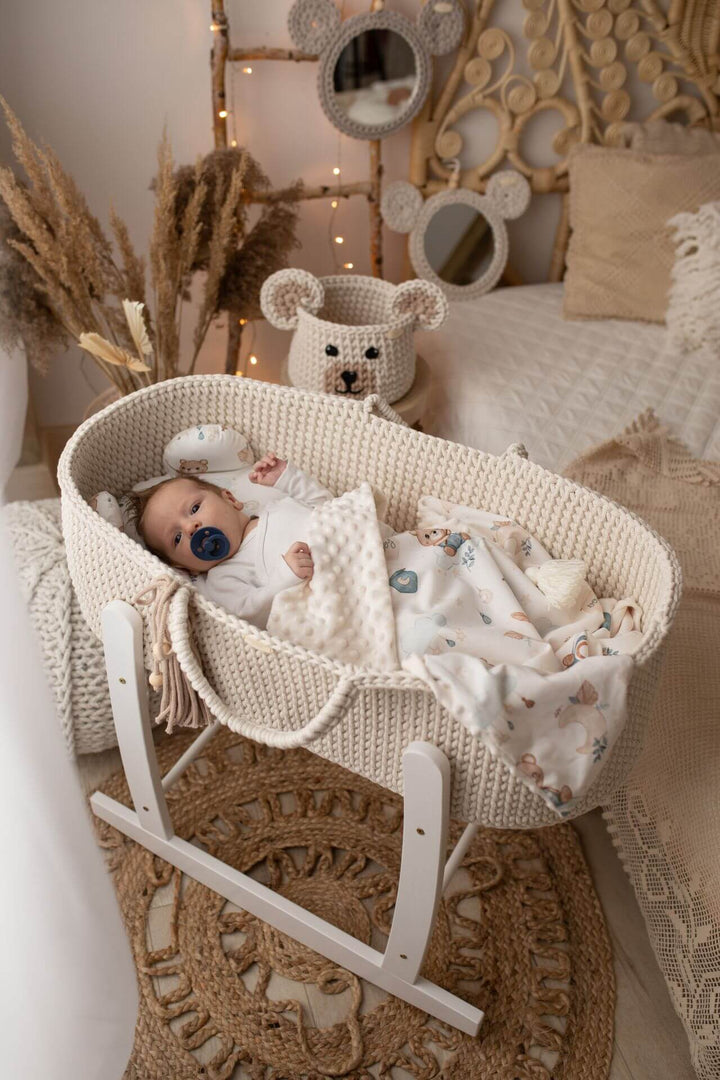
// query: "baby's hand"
[[268, 470], [299, 560]]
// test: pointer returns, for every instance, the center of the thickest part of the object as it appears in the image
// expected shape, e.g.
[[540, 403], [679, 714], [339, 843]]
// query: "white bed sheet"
[[508, 368]]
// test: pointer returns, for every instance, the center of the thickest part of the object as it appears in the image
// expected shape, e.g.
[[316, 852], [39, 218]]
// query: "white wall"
[[98, 80]]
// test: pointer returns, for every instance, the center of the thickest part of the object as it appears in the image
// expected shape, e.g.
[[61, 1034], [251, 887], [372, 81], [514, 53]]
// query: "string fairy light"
[[335, 237], [251, 357]]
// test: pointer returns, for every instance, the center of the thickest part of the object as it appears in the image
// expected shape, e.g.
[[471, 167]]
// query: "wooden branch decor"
[[221, 54]]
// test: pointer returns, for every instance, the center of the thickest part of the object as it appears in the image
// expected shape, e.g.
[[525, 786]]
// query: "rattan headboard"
[[596, 63]]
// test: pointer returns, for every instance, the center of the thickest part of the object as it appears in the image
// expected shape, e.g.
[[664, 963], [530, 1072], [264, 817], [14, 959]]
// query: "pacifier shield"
[[210, 544]]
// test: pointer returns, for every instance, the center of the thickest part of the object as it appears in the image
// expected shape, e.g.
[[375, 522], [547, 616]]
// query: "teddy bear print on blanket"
[[451, 602]]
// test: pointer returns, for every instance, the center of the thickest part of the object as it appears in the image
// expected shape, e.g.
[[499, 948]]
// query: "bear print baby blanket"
[[456, 602]]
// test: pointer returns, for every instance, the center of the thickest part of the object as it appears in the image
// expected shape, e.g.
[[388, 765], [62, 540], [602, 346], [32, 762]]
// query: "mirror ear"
[[442, 25], [510, 193], [400, 206], [313, 23], [426, 302], [285, 292]]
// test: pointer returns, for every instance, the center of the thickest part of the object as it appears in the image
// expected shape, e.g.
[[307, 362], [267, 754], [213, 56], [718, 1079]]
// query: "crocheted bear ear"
[[285, 292], [442, 24], [510, 192], [426, 302], [312, 24], [400, 206]]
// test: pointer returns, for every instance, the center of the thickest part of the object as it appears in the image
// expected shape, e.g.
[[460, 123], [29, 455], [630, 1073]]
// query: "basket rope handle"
[[332, 712], [373, 403]]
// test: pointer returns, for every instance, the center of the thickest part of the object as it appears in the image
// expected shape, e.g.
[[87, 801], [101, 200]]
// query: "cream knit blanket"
[[665, 820]]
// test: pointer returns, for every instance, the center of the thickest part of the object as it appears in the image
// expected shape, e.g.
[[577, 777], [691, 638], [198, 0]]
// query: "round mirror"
[[375, 78], [458, 238], [459, 244], [375, 75]]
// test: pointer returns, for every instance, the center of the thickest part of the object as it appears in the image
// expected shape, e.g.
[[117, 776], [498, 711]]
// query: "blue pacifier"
[[210, 544]]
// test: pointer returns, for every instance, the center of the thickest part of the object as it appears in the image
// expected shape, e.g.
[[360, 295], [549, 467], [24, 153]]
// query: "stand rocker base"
[[423, 872]]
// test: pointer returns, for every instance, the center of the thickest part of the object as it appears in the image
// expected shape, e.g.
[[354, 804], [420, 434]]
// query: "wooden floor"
[[650, 1042]]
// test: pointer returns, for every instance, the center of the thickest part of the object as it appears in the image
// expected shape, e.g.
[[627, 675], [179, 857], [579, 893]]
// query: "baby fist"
[[299, 560], [268, 470]]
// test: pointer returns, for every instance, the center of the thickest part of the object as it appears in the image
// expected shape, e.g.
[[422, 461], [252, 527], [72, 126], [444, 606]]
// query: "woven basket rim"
[[338, 284], [653, 633]]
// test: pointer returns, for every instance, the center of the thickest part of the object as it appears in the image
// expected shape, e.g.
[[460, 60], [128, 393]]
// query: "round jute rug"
[[223, 995]]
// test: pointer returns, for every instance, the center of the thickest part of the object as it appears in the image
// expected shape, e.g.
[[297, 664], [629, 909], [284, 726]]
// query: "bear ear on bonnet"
[[425, 300], [285, 292]]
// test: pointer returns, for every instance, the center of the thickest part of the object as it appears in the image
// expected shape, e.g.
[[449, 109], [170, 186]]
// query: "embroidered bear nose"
[[348, 377]]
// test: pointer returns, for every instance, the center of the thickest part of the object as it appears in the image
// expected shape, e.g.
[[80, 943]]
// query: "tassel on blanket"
[[180, 705], [561, 581]]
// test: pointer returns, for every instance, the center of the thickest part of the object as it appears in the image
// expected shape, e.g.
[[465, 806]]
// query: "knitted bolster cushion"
[[72, 655]]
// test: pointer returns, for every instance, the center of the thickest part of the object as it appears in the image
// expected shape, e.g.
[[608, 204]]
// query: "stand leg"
[[426, 779], [123, 641], [458, 853]]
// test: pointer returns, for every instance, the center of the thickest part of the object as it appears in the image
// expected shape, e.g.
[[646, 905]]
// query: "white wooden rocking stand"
[[424, 874]]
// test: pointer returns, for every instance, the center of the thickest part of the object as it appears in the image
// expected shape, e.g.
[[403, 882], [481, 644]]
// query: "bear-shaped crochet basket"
[[353, 334]]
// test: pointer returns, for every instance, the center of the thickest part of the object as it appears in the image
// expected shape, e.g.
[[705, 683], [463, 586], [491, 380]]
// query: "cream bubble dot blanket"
[[455, 602]]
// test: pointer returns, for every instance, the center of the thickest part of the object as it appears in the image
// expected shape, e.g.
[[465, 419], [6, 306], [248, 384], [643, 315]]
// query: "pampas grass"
[[76, 283], [235, 270], [26, 317]]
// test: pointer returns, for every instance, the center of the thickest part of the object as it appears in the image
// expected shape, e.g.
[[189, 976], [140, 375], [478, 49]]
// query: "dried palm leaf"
[[136, 323], [111, 354]]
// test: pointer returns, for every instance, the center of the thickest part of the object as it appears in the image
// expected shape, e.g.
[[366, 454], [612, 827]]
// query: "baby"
[[237, 560]]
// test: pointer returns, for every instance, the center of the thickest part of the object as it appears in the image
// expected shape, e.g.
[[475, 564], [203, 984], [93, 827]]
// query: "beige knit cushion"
[[621, 251]]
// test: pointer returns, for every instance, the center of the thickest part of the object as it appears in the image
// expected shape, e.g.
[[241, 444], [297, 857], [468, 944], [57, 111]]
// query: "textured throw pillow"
[[621, 252]]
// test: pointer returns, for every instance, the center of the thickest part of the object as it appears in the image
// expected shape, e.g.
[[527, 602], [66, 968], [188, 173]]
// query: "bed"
[[508, 368]]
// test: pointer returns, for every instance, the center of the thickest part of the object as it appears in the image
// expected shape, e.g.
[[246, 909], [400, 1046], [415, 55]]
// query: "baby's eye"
[[195, 507], [177, 538], [372, 353]]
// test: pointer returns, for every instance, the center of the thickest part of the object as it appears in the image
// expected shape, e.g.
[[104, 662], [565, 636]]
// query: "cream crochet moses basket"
[[274, 692]]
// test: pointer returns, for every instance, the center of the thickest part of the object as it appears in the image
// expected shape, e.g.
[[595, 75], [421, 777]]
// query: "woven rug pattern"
[[520, 933]]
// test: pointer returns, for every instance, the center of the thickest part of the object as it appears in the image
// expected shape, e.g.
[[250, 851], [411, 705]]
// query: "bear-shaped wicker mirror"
[[458, 239], [353, 334], [374, 70]]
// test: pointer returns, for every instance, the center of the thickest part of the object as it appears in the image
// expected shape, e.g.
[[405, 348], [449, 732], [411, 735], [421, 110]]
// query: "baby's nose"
[[195, 526]]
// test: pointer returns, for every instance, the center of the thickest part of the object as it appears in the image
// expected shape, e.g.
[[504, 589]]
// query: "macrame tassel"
[[561, 581], [180, 705]]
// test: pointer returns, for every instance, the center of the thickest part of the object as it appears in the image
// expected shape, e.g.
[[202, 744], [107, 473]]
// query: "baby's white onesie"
[[247, 583]]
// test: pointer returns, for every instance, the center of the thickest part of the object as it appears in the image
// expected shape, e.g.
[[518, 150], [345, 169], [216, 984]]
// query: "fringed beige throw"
[[666, 820]]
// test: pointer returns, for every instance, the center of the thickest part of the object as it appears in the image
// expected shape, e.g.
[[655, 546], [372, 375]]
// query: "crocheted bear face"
[[353, 335]]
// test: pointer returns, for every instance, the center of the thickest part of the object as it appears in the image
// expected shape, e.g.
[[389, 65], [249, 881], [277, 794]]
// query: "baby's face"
[[181, 507]]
